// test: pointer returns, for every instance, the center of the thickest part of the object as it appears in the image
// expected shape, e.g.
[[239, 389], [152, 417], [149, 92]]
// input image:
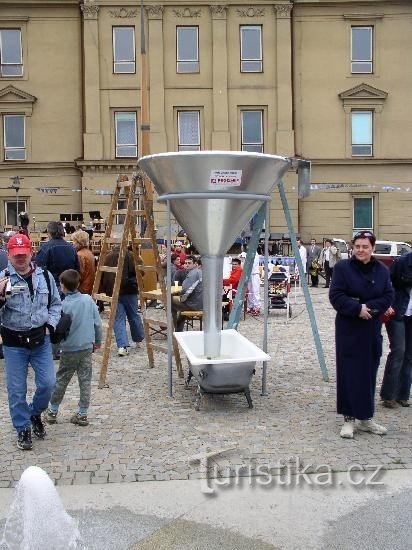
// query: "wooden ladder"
[[151, 279], [129, 190], [124, 189]]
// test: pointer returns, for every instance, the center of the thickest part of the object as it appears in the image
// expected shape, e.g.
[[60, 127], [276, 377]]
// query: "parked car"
[[388, 251], [341, 245]]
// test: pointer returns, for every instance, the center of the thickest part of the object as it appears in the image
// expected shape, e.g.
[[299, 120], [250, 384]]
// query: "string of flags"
[[313, 187], [48, 190], [332, 186]]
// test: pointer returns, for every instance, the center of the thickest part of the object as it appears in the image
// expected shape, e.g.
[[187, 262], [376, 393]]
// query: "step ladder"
[[129, 190], [151, 280]]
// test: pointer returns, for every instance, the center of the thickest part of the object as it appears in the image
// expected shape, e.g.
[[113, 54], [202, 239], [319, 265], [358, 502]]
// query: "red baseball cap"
[[19, 244]]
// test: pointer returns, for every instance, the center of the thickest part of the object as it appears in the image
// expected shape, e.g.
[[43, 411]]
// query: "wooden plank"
[[108, 269], [148, 268], [142, 240], [102, 297], [114, 240]]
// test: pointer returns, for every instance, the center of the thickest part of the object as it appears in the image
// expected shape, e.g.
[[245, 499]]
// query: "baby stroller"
[[279, 290]]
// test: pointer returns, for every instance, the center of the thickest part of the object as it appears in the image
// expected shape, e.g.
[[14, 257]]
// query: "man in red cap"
[[30, 308]]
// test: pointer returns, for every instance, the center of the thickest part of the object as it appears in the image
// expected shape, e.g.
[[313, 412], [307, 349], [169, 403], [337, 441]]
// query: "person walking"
[[127, 302], [84, 337], [87, 261], [28, 314], [57, 255], [397, 379], [360, 292]]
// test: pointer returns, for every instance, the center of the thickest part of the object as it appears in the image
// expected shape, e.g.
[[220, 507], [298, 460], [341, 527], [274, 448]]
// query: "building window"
[[11, 211], [124, 50], [14, 137], [362, 49], [126, 134], [187, 49], [362, 213], [11, 56], [121, 205], [362, 133], [188, 128], [252, 131], [251, 49]]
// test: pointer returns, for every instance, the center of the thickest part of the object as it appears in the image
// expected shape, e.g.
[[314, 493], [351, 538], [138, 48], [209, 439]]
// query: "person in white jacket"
[[253, 287], [303, 255]]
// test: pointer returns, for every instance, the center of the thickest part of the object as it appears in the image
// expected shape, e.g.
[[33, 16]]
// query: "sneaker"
[[38, 426], [403, 402], [79, 419], [371, 426], [390, 403], [136, 345], [122, 352], [50, 417], [348, 429], [24, 441]]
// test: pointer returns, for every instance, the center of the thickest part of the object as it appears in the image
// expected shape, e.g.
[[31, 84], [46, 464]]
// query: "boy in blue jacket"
[[84, 337]]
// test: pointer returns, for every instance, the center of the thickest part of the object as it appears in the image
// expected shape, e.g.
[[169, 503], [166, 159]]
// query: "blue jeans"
[[397, 379], [127, 308], [16, 364]]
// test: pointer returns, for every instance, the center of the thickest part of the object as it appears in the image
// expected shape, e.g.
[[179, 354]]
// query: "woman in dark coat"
[[360, 292]]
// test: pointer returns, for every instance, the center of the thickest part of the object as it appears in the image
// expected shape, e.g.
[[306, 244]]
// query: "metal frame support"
[[169, 300], [302, 275], [234, 316]]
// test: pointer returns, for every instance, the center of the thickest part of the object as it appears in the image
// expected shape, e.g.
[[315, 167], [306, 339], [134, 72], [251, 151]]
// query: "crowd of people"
[[36, 292], [317, 259]]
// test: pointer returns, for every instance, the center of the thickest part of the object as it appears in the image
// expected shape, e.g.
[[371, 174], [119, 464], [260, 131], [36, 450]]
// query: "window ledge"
[[362, 16]]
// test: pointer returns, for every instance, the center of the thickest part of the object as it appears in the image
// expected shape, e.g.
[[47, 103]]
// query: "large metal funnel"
[[214, 223], [230, 188]]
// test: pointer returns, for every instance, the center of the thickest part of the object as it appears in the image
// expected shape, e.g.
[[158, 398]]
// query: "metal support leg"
[[249, 398], [308, 300], [169, 302]]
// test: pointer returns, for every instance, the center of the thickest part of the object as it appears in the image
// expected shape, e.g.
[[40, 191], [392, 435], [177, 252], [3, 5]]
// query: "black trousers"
[[328, 273]]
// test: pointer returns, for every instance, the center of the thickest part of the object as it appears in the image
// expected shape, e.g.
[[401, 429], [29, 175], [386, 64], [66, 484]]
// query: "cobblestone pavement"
[[138, 433]]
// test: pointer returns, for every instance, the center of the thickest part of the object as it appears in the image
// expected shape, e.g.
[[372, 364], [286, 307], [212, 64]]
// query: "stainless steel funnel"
[[213, 224], [214, 221]]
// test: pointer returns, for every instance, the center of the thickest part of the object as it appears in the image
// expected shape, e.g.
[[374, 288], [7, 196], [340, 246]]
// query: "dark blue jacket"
[[358, 341], [57, 255], [401, 277]]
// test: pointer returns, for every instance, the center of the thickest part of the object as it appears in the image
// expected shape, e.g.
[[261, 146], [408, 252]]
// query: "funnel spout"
[[212, 268]]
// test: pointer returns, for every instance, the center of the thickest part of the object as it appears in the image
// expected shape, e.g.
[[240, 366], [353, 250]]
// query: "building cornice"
[[109, 166], [39, 3], [44, 166], [358, 162]]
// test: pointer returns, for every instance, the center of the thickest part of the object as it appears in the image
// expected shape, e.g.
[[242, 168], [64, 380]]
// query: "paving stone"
[[81, 478], [154, 437]]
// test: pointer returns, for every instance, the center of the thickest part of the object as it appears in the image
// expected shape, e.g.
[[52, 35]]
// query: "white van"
[[341, 245]]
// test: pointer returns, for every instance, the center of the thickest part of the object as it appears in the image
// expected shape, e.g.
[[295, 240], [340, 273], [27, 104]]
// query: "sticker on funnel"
[[225, 178]]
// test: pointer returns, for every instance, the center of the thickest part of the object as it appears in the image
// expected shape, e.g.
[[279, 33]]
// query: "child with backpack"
[[84, 337]]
